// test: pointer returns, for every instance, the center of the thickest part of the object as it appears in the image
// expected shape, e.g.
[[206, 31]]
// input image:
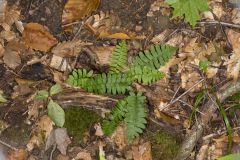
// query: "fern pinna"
[[143, 69]]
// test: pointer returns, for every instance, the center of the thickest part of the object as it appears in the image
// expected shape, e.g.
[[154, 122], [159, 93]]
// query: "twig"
[[222, 23], [191, 139], [53, 150], [8, 145], [177, 99]]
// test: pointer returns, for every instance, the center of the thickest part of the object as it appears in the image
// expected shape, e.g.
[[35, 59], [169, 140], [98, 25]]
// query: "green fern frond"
[[135, 117], [154, 57], [117, 114], [80, 77], [132, 111], [100, 83], [145, 75], [118, 61], [112, 83]]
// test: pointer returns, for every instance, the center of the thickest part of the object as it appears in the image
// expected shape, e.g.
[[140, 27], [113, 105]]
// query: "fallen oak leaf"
[[38, 37], [77, 9]]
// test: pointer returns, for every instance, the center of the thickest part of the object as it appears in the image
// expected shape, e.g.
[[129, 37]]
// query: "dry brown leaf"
[[18, 155], [62, 157], [142, 152], [8, 35], [98, 128], [11, 58], [160, 38], [2, 50], [41, 132], [83, 155], [108, 25], [75, 10], [119, 35], [119, 137], [12, 15], [233, 64], [159, 5], [38, 37], [236, 15], [60, 138], [68, 48], [101, 54], [64, 50], [3, 4]]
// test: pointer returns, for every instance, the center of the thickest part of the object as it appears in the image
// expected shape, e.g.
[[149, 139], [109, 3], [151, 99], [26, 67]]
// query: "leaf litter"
[[207, 54]]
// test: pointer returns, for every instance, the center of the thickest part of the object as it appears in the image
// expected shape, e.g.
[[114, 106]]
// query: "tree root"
[[191, 139]]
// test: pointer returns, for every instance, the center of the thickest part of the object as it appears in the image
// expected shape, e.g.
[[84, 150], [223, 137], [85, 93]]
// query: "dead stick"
[[191, 139]]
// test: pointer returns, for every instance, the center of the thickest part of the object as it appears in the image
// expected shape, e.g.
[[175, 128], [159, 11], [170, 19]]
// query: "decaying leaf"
[[60, 138], [63, 51], [77, 9], [85, 155], [11, 58], [142, 152], [8, 35], [233, 64], [17, 155], [3, 4], [108, 25], [38, 37], [2, 50], [100, 54], [159, 5], [41, 132], [119, 137]]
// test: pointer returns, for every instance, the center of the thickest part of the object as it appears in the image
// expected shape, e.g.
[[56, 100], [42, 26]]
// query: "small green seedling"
[[55, 111]]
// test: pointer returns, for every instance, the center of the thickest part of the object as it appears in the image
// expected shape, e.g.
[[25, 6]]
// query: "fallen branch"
[[97, 103], [210, 107]]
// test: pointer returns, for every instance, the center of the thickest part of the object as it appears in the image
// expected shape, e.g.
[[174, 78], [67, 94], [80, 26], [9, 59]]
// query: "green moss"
[[78, 121], [164, 146]]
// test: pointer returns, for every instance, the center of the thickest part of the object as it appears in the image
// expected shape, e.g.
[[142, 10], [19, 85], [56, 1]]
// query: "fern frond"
[[80, 77], [118, 61], [117, 114], [154, 57], [112, 83], [132, 111], [135, 117], [145, 75], [100, 83]]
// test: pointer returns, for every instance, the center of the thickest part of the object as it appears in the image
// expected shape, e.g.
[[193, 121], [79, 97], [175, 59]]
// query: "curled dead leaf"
[[108, 25], [41, 132], [38, 37], [77, 9]]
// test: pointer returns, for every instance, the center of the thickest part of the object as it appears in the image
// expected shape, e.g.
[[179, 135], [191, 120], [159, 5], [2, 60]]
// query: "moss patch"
[[78, 121], [164, 146]]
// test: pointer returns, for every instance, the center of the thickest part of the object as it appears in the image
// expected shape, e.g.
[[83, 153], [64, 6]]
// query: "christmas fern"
[[155, 57], [132, 111], [144, 69], [100, 83], [118, 61], [135, 117]]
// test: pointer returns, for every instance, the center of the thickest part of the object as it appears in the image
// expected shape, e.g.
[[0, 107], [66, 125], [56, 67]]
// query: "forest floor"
[[192, 113]]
